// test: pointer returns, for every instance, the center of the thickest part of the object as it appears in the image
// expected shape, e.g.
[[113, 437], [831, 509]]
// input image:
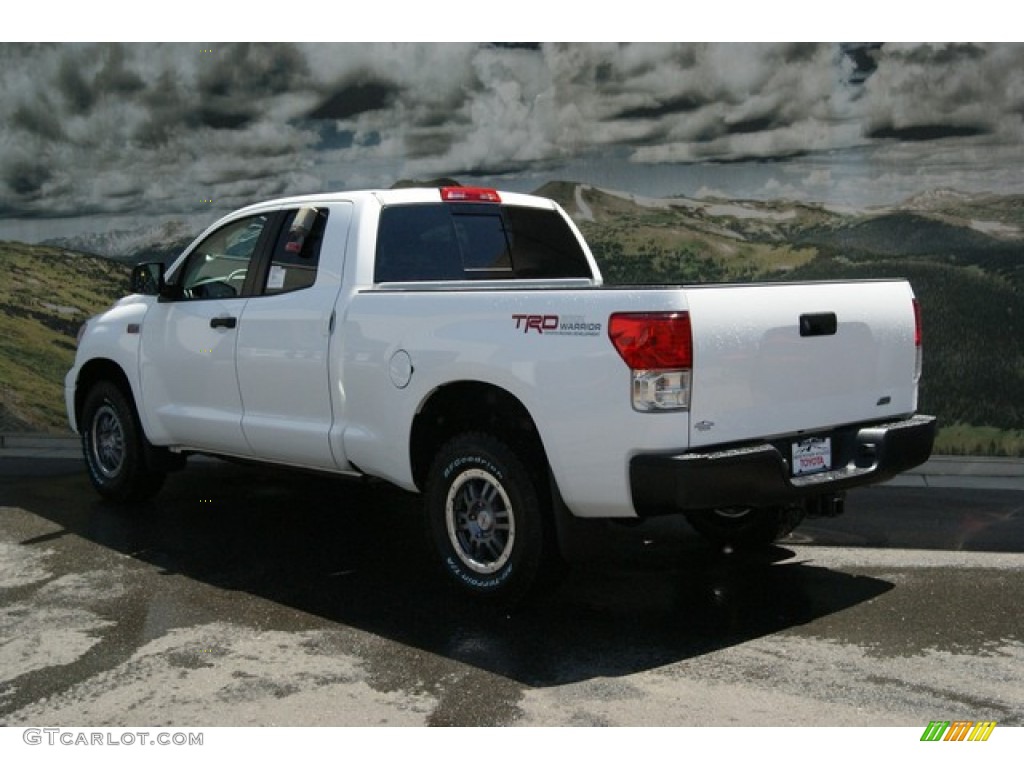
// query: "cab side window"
[[296, 254], [218, 266]]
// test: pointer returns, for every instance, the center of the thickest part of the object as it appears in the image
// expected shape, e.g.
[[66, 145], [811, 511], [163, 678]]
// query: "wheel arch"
[[472, 406], [101, 369], [104, 369]]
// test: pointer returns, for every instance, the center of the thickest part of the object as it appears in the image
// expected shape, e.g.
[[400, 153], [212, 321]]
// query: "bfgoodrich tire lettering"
[[114, 446], [487, 513]]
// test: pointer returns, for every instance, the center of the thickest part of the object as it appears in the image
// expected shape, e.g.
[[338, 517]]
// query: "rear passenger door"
[[283, 339]]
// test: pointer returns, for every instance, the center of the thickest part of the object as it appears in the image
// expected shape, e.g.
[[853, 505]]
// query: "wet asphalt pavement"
[[243, 596]]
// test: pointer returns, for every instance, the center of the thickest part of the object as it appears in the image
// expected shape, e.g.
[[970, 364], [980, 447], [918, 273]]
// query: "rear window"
[[446, 241]]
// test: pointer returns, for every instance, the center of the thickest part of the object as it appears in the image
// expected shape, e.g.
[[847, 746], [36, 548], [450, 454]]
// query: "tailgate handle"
[[821, 324]]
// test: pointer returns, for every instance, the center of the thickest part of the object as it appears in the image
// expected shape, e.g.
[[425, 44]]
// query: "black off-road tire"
[[746, 527], [115, 447], [488, 513]]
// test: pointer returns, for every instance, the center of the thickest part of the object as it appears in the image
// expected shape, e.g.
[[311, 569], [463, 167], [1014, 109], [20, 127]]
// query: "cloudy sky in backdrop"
[[117, 135]]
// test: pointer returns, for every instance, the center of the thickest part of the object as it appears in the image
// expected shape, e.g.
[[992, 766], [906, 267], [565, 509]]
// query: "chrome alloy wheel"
[[106, 441], [480, 521]]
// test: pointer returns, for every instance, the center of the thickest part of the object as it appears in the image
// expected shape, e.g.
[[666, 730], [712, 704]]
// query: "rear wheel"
[[114, 446], [746, 527], [488, 516]]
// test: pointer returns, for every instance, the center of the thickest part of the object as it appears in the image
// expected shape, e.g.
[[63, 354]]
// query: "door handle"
[[223, 322]]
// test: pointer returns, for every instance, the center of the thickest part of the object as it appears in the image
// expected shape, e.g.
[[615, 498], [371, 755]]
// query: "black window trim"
[[266, 251]]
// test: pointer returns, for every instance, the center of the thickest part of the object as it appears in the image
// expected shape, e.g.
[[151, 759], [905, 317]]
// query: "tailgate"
[[779, 359]]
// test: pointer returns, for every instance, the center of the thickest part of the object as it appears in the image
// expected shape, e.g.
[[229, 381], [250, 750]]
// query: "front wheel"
[[114, 447], [488, 518], [746, 527]]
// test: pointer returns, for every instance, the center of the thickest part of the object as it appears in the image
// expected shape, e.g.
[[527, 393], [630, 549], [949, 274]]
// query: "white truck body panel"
[[756, 376], [114, 335], [188, 375], [578, 393]]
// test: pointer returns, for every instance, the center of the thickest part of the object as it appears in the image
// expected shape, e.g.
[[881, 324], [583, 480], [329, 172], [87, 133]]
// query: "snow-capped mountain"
[[161, 242]]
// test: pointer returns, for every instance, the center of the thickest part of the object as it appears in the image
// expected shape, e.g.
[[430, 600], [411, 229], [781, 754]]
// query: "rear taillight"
[[658, 348], [918, 356]]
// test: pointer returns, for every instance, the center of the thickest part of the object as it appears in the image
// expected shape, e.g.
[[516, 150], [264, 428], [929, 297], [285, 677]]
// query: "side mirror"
[[148, 279]]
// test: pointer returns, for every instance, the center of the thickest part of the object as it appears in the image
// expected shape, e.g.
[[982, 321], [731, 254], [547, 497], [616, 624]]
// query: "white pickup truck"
[[458, 342]]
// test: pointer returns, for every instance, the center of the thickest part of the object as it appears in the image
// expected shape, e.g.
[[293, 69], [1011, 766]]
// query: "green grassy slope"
[[45, 295]]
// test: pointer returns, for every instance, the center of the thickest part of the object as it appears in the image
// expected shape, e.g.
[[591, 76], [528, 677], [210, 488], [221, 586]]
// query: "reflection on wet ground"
[[356, 554], [233, 550]]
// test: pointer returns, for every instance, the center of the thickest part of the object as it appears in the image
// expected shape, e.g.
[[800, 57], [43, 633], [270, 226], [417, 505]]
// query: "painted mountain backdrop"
[[961, 252]]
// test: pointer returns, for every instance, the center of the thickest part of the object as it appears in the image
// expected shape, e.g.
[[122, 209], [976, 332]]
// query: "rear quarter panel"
[[561, 366]]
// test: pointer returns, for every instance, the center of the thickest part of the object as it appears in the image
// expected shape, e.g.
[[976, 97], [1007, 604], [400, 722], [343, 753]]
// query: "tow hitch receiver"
[[832, 505]]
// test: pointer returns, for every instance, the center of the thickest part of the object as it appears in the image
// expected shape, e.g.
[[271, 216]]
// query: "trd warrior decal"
[[557, 325]]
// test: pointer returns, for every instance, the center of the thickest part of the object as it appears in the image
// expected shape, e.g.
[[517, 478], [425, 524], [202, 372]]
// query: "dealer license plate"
[[812, 455]]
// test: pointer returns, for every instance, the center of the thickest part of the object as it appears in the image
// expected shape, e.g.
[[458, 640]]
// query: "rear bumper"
[[759, 474]]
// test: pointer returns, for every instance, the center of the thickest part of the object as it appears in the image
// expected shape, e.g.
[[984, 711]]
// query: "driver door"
[[189, 378]]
